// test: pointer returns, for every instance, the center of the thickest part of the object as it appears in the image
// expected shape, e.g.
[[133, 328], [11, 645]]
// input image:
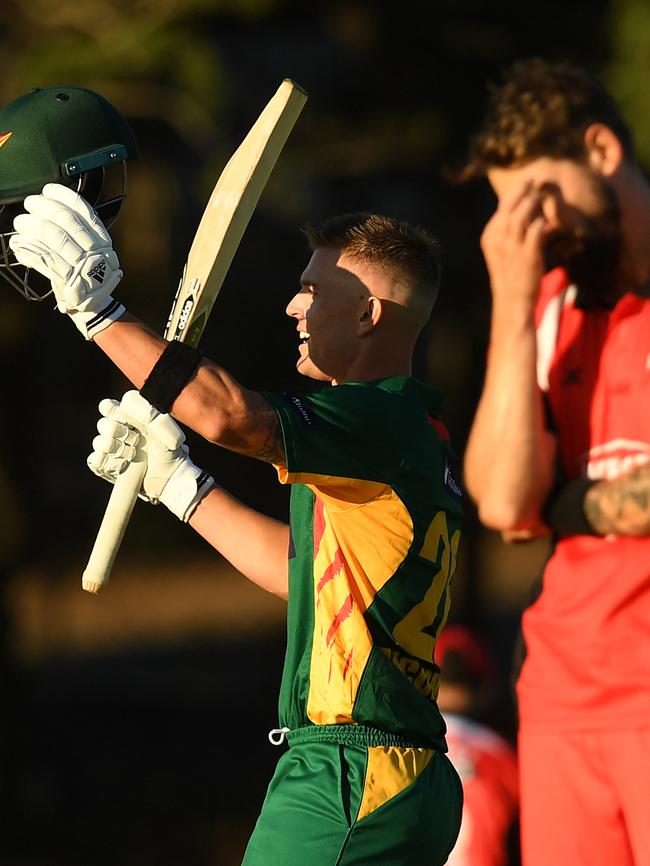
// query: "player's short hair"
[[542, 108], [409, 253]]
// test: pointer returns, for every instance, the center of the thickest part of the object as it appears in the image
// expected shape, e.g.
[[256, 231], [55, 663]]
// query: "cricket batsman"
[[367, 558]]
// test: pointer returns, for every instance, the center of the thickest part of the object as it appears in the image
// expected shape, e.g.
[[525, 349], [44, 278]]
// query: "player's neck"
[[373, 366]]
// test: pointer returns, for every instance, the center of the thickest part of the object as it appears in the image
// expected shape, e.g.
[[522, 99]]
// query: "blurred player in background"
[[485, 761], [561, 439], [367, 561]]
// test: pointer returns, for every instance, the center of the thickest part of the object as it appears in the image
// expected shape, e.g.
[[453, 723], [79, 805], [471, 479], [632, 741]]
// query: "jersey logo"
[[450, 479], [4, 137], [306, 415]]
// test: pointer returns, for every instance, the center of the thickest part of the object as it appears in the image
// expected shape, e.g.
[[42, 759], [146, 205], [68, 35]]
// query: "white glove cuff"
[[92, 323], [185, 489]]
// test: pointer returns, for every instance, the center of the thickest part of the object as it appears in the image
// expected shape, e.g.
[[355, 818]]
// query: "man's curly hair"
[[542, 109]]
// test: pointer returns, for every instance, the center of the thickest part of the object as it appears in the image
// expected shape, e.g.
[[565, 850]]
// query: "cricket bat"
[[220, 231]]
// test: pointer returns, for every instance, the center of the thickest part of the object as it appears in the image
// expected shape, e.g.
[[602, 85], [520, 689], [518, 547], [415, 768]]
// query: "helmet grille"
[[100, 187]]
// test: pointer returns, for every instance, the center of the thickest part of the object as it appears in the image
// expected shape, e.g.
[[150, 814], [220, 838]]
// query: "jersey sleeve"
[[339, 440]]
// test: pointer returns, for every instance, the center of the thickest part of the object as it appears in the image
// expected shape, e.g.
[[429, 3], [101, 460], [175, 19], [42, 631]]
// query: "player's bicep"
[[269, 444], [256, 432]]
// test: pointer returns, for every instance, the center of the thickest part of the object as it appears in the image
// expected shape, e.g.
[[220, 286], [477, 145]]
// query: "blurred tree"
[[149, 57], [629, 68]]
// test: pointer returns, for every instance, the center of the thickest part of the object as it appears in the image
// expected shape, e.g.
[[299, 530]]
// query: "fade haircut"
[[408, 253], [542, 109]]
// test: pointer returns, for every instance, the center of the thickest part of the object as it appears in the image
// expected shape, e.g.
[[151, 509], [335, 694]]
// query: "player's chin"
[[306, 367]]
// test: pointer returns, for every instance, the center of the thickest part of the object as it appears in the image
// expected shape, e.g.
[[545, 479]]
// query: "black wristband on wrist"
[[171, 372], [564, 512]]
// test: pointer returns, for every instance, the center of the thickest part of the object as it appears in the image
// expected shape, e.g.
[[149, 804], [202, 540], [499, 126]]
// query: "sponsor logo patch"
[[450, 477], [306, 415]]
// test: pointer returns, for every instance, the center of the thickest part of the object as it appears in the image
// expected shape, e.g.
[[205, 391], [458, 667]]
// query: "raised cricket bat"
[[220, 231]]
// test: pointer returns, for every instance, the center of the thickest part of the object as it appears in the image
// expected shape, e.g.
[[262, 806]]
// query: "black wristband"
[[171, 372], [564, 512]]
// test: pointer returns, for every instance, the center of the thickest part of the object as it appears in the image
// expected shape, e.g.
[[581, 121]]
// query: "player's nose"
[[295, 307]]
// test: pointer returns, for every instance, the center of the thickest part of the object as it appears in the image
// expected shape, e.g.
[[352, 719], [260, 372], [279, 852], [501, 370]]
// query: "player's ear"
[[371, 315], [604, 149]]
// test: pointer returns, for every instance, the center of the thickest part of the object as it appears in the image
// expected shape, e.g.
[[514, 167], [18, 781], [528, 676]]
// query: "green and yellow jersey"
[[375, 516]]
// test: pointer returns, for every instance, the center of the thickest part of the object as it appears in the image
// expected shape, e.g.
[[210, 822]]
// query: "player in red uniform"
[[568, 385], [484, 760]]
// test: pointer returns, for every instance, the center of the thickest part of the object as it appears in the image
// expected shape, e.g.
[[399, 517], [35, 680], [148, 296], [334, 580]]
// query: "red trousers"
[[585, 798]]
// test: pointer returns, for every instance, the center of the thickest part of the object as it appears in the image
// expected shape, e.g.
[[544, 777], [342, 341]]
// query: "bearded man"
[[561, 441]]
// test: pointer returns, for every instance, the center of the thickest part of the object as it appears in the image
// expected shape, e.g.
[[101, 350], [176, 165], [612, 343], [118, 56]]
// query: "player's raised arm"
[[510, 456], [63, 239], [198, 392]]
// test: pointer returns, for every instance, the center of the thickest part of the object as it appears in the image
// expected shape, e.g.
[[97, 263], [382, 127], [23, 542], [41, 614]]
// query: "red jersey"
[[588, 634], [487, 766]]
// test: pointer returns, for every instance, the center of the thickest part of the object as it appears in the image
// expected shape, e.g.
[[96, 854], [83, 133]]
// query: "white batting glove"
[[134, 425], [63, 239]]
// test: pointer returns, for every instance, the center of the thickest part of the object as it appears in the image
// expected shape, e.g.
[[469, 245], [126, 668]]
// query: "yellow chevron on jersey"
[[349, 570]]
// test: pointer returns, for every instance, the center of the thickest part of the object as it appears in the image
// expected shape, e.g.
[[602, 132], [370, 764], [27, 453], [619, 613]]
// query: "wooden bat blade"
[[228, 212], [224, 221]]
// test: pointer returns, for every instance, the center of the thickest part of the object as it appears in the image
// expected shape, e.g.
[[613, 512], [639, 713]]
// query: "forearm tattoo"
[[272, 450], [620, 506]]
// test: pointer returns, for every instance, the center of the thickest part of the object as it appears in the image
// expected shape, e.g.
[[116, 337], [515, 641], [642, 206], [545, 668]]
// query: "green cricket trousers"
[[344, 796]]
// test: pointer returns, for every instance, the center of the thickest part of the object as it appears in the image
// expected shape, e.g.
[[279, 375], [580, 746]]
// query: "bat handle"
[[111, 531]]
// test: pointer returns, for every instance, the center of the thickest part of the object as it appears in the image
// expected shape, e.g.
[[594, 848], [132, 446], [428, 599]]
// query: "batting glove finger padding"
[[33, 254], [117, 441], [134, 427], [105, 460], [56, 192], [62, 238], [123, 433], [52, 233]]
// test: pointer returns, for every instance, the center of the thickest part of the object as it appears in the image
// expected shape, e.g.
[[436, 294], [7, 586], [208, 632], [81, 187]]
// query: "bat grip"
[[111, 531]]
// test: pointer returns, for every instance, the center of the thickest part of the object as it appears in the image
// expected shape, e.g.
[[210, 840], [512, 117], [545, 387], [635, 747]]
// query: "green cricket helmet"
[[67, 135]]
